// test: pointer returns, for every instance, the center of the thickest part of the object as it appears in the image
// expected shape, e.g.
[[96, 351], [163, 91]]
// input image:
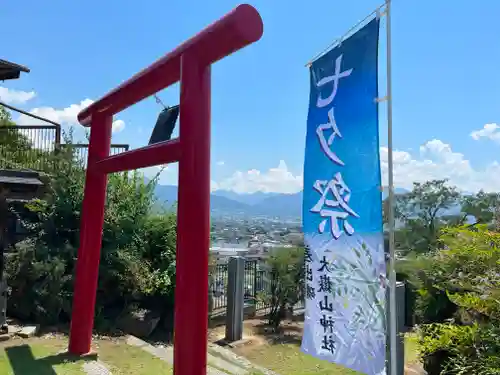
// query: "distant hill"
[[230, 203], [167, 196], [287, 206], [385, 191], [452, 211], [283, 205], [251, 199], [256, 204]]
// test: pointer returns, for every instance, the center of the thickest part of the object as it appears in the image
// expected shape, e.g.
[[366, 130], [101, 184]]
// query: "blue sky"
[[446, 83]]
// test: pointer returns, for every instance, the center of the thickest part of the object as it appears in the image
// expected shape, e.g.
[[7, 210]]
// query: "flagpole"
[[392, 269], [348, 32]]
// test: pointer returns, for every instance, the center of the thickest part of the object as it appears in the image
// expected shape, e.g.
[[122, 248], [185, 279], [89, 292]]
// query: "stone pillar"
[[235, 299]]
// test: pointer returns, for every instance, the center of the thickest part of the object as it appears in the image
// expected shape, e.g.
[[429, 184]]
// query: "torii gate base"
[[190, 63]]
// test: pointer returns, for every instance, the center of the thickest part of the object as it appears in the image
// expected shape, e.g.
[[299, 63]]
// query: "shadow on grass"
[[286, 334], [23, 362]]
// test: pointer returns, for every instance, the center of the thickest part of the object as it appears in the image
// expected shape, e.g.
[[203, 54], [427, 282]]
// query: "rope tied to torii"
[[165, 123], [159, 101]]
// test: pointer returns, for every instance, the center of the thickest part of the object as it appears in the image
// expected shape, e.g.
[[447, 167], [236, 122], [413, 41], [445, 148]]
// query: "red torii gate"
[[190, 63]]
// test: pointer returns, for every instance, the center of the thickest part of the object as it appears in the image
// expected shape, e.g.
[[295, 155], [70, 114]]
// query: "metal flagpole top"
[[347, 33]]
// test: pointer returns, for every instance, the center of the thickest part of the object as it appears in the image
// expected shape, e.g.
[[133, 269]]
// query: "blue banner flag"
[[342, 209]]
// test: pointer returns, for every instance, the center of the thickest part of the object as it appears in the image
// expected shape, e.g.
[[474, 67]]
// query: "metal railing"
[[34, 147], [219, 279], [250, 283], [28, 146], [81, 151], [264, 286], [259, 284], [218, 286]]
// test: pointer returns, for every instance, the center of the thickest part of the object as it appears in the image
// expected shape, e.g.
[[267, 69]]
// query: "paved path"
[[221, 361], [95, 368], [415, 369]]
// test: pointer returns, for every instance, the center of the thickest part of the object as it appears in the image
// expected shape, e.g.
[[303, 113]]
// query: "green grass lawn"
[[288, 359], [44, 356], [37, 356], [411, 355], [123, 359]]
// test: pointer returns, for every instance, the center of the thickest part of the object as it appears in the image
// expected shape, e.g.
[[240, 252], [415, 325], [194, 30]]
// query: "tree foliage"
[[421, 213], [137, 254], [462, 278], [5, 117], [14, 145], [452, 258], [285, 268], [484, 207]]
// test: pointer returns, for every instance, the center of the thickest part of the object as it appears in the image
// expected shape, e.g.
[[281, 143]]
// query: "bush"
[[466, 271], [40, 283], [457, 349], [427, 303], [137, 255], [286, 269]]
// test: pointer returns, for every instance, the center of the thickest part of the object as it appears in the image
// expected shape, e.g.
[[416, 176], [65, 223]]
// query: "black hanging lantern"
[[165, 125]]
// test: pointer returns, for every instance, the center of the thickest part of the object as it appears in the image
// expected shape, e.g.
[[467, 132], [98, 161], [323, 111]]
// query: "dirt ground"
[[280, 351], [257, 333]]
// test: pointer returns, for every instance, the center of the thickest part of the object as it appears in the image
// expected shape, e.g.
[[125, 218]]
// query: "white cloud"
[[437, 160], [151, 172], [118, 126], [168, 173], [64, 116], [9, 96], [214, 185], [279, 180], [434, 160], [489, 131], [220, 163]]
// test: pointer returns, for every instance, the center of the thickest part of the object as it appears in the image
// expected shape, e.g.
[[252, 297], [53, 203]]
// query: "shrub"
[[428, 304], [467, 272], [448, 348], [286, 270], [137, 255], [40, 283]]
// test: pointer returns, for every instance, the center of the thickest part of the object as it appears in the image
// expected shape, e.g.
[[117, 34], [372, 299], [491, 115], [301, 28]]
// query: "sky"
[[446, 84]]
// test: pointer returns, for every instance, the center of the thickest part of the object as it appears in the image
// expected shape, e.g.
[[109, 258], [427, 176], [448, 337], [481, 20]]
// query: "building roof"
[[10, 70], [19, 177]]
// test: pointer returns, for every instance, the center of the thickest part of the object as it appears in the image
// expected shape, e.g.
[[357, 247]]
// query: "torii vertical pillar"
[[89, 253], [191, 308], [190, 63]]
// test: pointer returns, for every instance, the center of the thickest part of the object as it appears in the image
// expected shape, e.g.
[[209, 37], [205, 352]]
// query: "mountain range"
[[230, 203], [224, 202]]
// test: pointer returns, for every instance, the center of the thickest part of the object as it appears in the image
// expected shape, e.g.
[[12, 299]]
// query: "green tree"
[[137, 255], [421, 213], [15, 146], [5, 117], [484, 207], [285, 271], [467, 271]]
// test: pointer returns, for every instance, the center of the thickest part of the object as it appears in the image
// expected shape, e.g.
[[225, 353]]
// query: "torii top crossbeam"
[[237, 29], [190, 64]]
